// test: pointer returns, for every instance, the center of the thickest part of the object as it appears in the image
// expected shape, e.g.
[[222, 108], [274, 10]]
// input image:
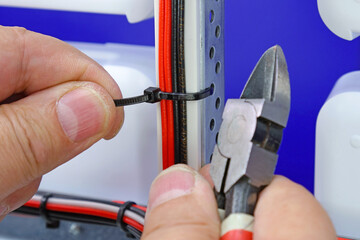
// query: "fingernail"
[[81, 114], [172, 183]]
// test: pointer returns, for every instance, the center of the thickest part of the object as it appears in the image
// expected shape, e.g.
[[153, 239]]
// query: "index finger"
[[286, 210], [32, 62]]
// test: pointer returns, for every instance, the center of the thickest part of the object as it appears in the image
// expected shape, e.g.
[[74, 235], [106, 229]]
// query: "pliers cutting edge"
[[245, 156]]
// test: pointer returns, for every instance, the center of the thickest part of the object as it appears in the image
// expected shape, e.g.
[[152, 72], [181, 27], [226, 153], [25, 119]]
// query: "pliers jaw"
[[270, 81], [245, 156]]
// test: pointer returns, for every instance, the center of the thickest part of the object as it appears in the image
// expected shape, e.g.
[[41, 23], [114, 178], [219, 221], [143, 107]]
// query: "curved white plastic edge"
[[342, 17], [135, 10], [194, 79], [337, 157]]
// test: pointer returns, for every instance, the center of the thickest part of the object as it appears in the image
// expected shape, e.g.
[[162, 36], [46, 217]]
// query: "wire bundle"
[[172, 79], [128, 216]]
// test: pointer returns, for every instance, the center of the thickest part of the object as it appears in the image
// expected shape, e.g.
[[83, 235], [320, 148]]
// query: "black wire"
[[182, 81], [174, 64], [28, 211], [136, 233]]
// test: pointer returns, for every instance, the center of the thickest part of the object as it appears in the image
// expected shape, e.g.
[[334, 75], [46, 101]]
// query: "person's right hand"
[[182, 206]]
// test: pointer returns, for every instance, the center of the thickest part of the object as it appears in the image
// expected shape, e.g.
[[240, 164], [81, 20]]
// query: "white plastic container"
[[135, 10], [342, 17], [337, 163], [124, 167]]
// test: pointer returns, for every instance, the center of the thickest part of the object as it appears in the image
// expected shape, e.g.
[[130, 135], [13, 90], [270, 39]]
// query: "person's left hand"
[[55, 102]]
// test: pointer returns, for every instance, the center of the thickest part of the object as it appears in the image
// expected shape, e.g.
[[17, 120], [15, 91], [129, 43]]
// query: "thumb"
[[181, 206], [47, 128]]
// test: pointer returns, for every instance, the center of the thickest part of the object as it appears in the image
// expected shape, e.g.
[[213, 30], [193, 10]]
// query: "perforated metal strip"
[[214, 73]]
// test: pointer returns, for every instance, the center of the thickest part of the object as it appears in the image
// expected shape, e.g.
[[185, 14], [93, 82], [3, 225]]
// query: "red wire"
[[93, 212], [32, 203], [86, 211], [36, 204], [168, 82], [164, 120]]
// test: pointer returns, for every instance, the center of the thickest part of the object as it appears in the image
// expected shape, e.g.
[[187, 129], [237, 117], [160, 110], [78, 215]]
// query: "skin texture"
[[285, 210], [55, 102], [41, 78]]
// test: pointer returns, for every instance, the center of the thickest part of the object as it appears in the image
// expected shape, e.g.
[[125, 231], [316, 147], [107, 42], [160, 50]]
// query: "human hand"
[[182, 206], [55, 103]]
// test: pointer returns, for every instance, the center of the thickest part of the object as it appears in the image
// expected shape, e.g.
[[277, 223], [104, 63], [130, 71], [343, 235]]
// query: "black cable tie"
[[44, 213], [154, 95], [120, 217]]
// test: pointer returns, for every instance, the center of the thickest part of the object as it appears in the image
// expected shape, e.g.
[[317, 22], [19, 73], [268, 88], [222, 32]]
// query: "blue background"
[[316, 58]]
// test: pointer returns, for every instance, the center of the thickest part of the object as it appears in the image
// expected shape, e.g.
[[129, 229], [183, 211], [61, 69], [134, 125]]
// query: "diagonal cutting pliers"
[[245, 156]]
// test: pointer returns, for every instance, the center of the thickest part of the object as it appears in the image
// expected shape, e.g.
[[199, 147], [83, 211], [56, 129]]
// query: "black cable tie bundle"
[[154, 95], [44, 213], [120, 216]]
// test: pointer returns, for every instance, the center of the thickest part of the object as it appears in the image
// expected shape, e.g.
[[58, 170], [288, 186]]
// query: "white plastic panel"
[[135, 10], [337, 162], [342, 17], [124, 167]]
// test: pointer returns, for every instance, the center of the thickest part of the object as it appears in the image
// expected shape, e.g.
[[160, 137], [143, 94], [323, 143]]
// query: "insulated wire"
[[168, 81], [164, 120], [140, 210], [79, 218], [90, 204], [88, 208], [134, 231], [98, 206], [174, 60], [182, 81], [67, 216], [92, 212]]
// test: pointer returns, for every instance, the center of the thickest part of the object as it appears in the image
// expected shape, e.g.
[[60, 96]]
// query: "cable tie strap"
[[120, 218], [44, 213], [154, 95]]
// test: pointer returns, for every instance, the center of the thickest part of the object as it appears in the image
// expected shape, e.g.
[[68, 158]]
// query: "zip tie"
[[154, 95], [120, 217], [44, 213]]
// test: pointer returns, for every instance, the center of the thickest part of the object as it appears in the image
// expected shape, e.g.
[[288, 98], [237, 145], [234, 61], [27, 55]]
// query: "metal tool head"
[[270, 81], [251, 131]]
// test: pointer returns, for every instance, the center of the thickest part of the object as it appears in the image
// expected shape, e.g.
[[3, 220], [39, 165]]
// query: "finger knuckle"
[[22, 140], [19, 42], [19, 30]]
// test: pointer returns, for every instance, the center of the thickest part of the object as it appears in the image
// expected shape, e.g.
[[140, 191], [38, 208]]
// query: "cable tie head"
[[153, 93]]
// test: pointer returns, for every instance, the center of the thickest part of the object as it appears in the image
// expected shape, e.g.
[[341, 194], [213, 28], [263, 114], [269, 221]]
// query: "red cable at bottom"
[[238, 235]]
